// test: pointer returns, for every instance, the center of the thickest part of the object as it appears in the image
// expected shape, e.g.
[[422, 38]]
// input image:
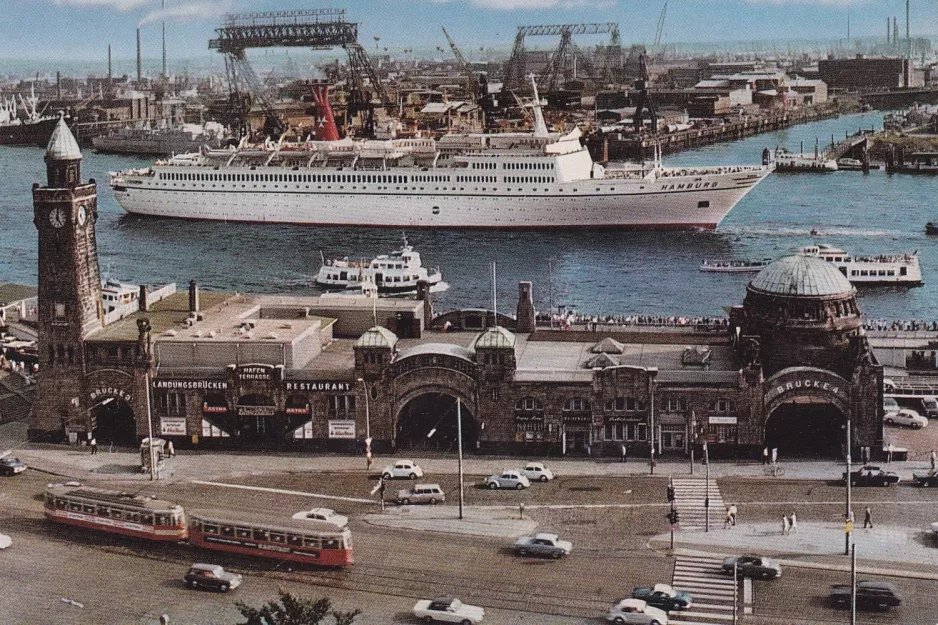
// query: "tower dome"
[[63, 158], [803, 311]]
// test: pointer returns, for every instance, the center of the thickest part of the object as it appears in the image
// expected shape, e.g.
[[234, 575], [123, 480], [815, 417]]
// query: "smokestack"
[[907, 20], [139, 68], [142, 298], [888, 31], [895, 30], [164, 42], [110, 74], [58, 85]]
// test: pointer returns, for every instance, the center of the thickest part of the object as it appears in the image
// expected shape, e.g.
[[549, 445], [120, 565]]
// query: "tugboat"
[[881, 270], [392, 274], [931, 228]]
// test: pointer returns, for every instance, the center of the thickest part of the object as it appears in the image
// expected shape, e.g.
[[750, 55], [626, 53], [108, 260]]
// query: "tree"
[[293, 610]]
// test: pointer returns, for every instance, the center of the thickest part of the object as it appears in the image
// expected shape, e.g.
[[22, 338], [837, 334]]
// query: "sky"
[[73, 30]]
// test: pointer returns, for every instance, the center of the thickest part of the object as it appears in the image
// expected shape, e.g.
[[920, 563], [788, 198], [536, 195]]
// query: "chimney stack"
[[110, 68], [907, 37], [193, 296], [524, 314], [164, 42], [139, 68], [888, 31], [895, 30], [143, 304], [58, 85]]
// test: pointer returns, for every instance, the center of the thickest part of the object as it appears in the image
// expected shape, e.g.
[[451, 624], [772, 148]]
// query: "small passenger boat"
[[734, 266], [394, 273], [880, 270], [931, 228]]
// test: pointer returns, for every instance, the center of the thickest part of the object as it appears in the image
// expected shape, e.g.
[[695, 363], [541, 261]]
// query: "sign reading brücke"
[[808, 382]]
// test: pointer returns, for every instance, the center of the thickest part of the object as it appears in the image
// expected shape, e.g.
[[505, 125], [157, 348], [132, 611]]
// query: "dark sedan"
[[664, 597], [872, 476], [871, 595], [11, 466], [753, 566]]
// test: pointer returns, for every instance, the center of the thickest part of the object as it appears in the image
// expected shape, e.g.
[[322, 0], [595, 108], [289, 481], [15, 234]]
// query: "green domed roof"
[[496, 337], [377, 337], [802, 276]]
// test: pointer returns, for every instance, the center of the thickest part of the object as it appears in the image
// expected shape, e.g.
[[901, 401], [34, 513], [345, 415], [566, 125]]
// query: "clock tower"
[[70, 307]]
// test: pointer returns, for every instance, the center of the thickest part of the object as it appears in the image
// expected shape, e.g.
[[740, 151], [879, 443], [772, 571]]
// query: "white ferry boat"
[[789, 161], [735, 266], [116, 294], [882, 270], [394, 273], [166, 141]]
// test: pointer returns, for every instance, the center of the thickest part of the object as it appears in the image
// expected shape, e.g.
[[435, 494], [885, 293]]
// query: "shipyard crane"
[[644, 101], [472, 83], [313, 28], [660, 27], [359, 101]]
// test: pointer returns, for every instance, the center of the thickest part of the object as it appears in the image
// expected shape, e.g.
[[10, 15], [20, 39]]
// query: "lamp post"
[[367, 425], [707, 492], [462, 492], [848, 517], [153, 470], [693, 439]]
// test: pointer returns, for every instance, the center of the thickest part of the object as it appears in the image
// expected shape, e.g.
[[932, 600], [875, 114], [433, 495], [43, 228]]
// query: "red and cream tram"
[[140, 516], [298, 540]]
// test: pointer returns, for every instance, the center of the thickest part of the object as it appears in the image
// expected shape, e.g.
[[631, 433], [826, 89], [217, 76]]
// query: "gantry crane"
[[644, 101], [660, 27], [472, 83]]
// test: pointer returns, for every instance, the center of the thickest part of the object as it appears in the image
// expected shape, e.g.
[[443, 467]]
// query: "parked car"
[[326, 515], [537, 472], [890, 405], [5, 541], [871, 595], [508, 478], [664, 597], [871, 476], [926, 479], [543, 544], [421, 493], [406, 469], [636, 612], [211, 577], [929, 407], [905, 416], [11, 466], [448, 610], [933, 531], [753, 566]]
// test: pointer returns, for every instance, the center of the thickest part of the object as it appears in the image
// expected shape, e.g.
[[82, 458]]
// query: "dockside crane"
[[644, 101], [660, 27], [472, 83]]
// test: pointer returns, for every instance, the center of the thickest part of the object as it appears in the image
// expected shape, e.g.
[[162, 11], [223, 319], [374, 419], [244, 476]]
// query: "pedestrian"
[[889, 451], [94, 445], [868, 518], [785, 525], [733, 514], [934, 459], [624, 452], [170, 450], [792, 523], [727, 519], [765, 456]]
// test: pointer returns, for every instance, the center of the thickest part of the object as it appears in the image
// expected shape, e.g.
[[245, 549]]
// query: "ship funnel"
[[326, 129], [540, 127]]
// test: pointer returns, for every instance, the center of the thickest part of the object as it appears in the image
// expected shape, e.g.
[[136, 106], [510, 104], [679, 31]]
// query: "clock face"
[[82, 215], [57, 217]]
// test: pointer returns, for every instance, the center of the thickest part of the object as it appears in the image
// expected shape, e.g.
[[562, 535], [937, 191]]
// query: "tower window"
[[59, 310]]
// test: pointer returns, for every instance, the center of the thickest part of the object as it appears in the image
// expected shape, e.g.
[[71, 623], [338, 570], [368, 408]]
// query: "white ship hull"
[[672, 202]]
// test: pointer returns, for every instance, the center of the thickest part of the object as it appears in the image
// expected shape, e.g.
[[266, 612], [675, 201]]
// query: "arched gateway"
[[806, 412], [429, 421]]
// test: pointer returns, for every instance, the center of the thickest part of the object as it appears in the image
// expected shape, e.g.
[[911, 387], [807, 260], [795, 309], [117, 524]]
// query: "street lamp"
[[848, 516], [368, 460], [462, 492], [707, 492], [153, 470]]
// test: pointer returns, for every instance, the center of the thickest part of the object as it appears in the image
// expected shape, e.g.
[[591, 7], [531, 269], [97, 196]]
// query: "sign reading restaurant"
[[319, 386]]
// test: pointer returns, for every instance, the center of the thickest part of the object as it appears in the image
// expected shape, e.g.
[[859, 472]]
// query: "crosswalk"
[[712, 591], [690, 494]]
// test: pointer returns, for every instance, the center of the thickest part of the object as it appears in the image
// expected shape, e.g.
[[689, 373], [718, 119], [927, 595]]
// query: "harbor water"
[[596, 272]]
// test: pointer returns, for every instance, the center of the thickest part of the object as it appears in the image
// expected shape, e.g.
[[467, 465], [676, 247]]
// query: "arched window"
[[529, 419], [722, 406]]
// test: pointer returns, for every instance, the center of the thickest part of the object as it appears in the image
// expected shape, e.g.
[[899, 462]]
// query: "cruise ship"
[[520, 180]]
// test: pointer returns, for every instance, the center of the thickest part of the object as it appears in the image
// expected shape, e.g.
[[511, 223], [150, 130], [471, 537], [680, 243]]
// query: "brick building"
[[273, 372]]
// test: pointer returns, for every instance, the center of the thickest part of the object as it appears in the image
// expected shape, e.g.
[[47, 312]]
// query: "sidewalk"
[[880, 551], [488, 521]]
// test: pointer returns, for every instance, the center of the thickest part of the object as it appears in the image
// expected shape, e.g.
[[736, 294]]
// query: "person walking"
[[792, 523], [934, 459], [624, 453], [733, 514], [785, 525], [170, 450], [727, 519], [94, 445], [868, 518], [765, 456]]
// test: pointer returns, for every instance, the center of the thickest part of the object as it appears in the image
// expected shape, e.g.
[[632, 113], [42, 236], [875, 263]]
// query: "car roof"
[[636, 604], [877, 584], [202, 566], [404, 461], [547, 536], [443, 599], [322, 511], [428, 486], [539, 465], [666, 588]]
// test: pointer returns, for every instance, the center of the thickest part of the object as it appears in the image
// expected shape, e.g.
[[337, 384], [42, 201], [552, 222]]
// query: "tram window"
[[277, 538], [311, 541], [260, 534], [88, 509], [294, 541], [207, 528], [197, 525], [61, 504], [243, 532], [103, 511], [74, 505], [133, 517], [146, 519], [227, 530], [117, 514], [331, 544]]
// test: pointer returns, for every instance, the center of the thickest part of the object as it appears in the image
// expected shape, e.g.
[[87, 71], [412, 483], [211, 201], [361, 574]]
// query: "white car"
[[406, 469], [906, 416], [5, 541], [890, 405], [448, 610], [636, 612], [537, 472], [326, 515], [508, 478]]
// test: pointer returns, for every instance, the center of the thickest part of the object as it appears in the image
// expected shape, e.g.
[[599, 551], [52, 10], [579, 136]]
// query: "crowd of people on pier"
[[574, 320], [900, 325]]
